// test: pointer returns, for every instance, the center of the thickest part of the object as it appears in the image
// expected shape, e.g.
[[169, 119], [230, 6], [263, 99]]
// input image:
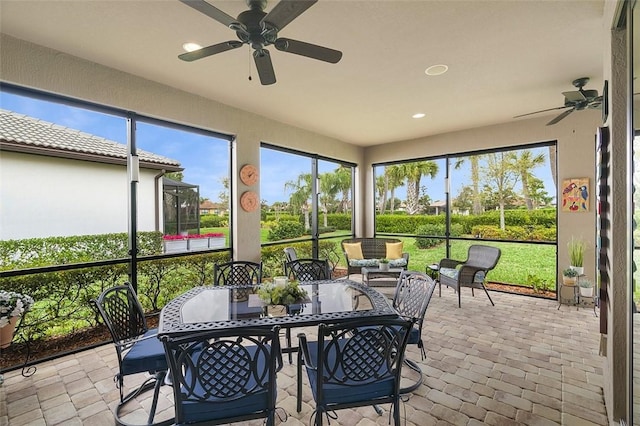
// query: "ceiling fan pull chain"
[[249, 65]]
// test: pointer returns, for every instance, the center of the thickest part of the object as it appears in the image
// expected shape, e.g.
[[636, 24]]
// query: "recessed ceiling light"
[[190, 47], [418, 115], [436, 69]]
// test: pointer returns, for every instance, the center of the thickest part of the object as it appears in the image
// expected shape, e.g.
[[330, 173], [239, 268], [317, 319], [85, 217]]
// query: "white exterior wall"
[[34, 66], [44, 196]]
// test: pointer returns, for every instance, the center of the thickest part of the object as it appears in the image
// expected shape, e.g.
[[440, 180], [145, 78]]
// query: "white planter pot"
[[383, 266], [216, 242], [175, 246], [586, 291], [578, 269], [198, 243]]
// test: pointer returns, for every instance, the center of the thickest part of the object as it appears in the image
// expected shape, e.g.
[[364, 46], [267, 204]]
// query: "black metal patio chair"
[[137, 347], [308, 269], [355, 363], [224, 376], [239, 272]]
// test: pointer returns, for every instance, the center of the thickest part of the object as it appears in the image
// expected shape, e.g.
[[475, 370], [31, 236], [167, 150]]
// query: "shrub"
[[285, 230], [435, 230], [213, 221]]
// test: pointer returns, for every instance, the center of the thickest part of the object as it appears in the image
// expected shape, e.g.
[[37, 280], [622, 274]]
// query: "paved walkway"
[[520, 362]]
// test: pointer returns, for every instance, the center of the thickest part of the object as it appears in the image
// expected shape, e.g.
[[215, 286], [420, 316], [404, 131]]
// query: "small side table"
[[372, 272], [432, 271]]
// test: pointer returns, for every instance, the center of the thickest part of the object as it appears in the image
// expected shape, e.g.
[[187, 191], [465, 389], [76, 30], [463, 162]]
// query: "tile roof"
[[20, 129]]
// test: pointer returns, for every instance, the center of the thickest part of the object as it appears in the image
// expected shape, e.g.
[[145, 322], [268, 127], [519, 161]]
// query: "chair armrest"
[[450, 263], [405, 256], [303, 347], [468, 272]]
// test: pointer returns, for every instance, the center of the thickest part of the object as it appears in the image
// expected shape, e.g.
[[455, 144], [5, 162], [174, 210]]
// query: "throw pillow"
[[394, 250], [353, 250]]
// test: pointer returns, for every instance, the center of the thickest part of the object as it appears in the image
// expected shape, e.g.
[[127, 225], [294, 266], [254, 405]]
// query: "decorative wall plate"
[[249, 201], [249, 174]]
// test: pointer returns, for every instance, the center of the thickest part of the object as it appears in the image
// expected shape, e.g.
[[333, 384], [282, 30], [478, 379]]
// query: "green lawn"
[[516, 263]]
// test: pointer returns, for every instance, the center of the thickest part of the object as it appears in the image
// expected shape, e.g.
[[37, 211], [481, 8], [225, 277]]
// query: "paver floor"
[[522, 361]]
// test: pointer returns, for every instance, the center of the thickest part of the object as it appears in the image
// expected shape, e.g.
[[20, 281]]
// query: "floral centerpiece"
[[287, 294]]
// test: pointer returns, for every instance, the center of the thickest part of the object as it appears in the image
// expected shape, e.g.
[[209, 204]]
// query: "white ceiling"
[[505, 58]]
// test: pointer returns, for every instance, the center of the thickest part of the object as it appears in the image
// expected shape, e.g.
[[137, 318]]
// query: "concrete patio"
[[522, 361]]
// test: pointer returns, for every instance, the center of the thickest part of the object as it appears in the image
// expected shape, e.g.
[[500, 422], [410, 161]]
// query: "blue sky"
[[206, 158]]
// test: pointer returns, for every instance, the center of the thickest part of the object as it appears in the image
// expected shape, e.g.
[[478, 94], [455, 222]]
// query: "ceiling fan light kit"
[[576, 100], [259, 29]]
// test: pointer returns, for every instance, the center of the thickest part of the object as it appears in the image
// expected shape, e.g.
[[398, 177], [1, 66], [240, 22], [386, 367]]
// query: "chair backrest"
[[308, 269], [122, 313], [361, 352], [413, 294], [411, 299], [224, 374], [237, 273], [485, 257], [290, 254]]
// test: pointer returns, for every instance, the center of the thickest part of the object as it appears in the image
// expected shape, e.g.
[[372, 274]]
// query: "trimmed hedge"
[[538, 224]]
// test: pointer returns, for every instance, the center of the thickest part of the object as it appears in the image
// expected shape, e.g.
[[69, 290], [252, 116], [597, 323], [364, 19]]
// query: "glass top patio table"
[[209, 308]]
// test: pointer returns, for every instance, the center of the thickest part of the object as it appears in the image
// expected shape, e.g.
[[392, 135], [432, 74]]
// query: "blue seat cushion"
[[453, 274], [145, 355], [351, 391], [363, 262], [214, 407], [398, 263], [414, 336]]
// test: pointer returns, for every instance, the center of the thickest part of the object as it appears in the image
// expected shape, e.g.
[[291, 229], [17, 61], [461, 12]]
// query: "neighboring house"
[[438, 207], [57, 181], [209, 207]]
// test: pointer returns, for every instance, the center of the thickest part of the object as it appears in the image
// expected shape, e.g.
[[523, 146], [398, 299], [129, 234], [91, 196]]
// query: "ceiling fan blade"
[[264, 66], [544, 110], [560, 117], [211, 11], [210, 50], [309, 50], [574, 96], [286, 11]]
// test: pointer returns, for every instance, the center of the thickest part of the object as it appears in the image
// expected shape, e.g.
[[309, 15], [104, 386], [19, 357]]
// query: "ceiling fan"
[[576, 100], [259, 29]]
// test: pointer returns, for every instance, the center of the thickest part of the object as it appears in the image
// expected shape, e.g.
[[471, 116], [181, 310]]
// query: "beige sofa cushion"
[[394, 250], [353, 250]]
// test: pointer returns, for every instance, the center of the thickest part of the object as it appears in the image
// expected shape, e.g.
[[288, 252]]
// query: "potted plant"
[[175, 243], [12, 306], [197, 242], [569, 276], [586, 288], [383, 264], [216, 239], [279, 296], [576, 254]]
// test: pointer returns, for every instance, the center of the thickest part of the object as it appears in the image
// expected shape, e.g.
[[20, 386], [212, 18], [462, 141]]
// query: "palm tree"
[[343, 185], [474, 161], [413, 173], [301, 195], [328, 189], [501, 178], [381, 189], [395, 178], [524, 163]]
